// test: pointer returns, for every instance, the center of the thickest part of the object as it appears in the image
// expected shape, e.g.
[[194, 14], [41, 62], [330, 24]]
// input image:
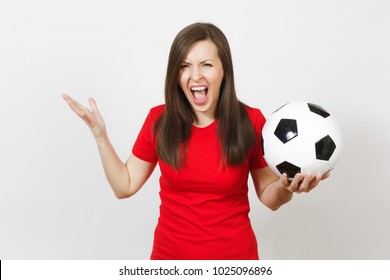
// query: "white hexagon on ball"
[[301, 137]]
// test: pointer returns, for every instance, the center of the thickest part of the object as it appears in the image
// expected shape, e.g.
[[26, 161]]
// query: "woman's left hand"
[[301, 183]]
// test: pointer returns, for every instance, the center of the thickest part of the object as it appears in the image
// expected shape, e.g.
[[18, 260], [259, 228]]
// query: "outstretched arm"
[[125, 178]]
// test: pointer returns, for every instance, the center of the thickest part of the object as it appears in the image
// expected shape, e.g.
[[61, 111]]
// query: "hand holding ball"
[[301, 137]]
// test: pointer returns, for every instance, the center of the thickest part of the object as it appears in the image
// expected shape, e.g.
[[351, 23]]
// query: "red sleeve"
[[257, 160], [145, 146]]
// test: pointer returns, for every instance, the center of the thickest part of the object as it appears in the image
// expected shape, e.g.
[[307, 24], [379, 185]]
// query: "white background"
[[55, 202]]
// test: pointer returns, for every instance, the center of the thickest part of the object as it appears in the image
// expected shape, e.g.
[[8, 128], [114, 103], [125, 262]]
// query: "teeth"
[[198, 88]]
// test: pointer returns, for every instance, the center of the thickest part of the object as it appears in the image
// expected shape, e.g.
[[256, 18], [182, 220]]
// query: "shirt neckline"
[[206, 128]]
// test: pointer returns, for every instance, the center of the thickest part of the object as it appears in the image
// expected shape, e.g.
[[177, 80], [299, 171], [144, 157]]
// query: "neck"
[[203, 120]]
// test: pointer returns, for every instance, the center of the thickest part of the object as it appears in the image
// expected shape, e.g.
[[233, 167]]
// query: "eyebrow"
[[203, 61]]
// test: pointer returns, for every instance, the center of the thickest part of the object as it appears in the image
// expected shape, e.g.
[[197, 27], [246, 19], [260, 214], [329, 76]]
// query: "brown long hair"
[[173, 129]]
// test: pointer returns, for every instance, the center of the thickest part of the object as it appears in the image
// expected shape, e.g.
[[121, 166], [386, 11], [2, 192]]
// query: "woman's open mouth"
[[200, 94]]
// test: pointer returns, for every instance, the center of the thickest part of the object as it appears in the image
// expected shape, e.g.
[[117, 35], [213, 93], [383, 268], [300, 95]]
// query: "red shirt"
[[204, 206]]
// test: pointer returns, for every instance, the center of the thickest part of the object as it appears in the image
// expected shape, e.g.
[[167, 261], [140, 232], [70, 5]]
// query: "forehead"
[[202, 50]]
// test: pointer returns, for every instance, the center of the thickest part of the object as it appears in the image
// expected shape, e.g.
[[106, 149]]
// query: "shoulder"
[[255, 115], [156, 112], [153, 116]]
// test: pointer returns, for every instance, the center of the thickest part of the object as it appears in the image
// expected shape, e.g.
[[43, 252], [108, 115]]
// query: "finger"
[[86, 114], [65, 96], [68, 98], [93, 105], [83, 112], [95, 109], [71, 102], [74, 105], [294, 185], [284, 178], [325, 176], [284, 181], [314, 182], [88, 119], [304, 186]]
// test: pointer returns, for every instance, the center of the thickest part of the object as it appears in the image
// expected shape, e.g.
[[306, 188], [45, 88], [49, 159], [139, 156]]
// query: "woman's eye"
[[207, 65]]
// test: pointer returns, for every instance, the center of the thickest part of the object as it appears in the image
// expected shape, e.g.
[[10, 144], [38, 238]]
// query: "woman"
[[206, 143]]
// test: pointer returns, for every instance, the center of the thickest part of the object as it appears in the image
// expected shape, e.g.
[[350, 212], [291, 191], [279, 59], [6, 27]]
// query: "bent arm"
[[125, 179], [274, 191], [269, 189]]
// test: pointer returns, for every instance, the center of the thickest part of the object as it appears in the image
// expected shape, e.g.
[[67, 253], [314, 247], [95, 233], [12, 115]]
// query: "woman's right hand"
[[91, 117]]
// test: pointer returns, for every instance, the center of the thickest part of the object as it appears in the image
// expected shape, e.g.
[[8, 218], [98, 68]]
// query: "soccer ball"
[[301, 137]]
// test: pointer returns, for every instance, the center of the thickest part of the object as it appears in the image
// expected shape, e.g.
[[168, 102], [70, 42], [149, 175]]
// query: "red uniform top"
[[204, 205]]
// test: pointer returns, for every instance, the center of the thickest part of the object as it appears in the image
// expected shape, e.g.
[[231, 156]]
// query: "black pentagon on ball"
[[286, 130], [325, 148], [288, 168], [317, 109]]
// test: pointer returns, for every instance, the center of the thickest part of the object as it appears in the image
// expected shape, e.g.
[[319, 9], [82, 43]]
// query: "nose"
[[196, 74]]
